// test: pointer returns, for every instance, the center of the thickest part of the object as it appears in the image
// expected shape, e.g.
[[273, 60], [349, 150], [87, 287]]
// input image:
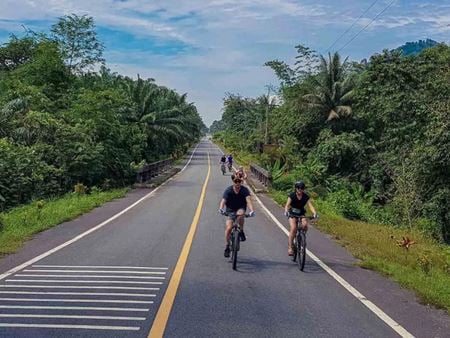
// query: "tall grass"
[[19, 224]]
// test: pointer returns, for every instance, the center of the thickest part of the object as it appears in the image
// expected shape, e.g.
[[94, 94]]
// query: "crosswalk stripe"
[[79, 293], [97, 267], [77, 287], [65, 326], [75, 300], [100, 271], [20, 315], [85, 308], [78, 281]]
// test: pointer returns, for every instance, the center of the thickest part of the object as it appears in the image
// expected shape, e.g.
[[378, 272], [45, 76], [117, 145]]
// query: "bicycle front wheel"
[[301, 250], [235, 248]]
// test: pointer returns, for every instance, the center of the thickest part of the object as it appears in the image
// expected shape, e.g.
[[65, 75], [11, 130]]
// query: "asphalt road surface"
[[158, 269]]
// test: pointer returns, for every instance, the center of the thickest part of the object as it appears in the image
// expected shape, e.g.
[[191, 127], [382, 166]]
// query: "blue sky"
[[207, 48]]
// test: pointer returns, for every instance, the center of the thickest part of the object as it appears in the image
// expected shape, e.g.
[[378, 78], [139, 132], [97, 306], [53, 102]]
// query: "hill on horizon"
[[413, 48]]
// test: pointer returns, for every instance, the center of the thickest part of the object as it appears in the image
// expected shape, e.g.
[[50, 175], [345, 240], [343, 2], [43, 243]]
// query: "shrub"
[[79, 189]]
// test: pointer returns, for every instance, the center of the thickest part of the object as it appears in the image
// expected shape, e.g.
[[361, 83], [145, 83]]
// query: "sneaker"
[[242, 236], [226, 253]]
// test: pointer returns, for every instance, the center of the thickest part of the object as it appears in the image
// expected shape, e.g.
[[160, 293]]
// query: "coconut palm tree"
[[333, 88]]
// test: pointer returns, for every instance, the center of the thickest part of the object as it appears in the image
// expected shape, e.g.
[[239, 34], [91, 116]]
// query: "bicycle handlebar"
[[300, 217], [233, 214]]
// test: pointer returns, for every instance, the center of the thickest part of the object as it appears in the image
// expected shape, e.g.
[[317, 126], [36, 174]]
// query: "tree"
[[333, 90], [78, 42], [16, 52]]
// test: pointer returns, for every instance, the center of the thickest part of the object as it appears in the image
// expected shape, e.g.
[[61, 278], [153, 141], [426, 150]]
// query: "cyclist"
[[236, 199], [222, 162], [295, 206], [240, 173], [230, 162]]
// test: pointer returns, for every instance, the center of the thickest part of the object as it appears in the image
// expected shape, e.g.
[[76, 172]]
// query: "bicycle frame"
[[300, 242], [235, 239]]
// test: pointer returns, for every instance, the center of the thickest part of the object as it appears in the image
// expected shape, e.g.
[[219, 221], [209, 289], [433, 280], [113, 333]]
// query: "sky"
[[210, 48]]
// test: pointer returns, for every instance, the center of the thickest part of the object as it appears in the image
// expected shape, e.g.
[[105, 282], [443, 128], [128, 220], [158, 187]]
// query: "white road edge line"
[[96, 267], [20, 315], [84, 234], [59, 300], [61, 326], [371, 306]]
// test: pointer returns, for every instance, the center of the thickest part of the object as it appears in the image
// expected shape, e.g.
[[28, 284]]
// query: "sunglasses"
[[237, 181]]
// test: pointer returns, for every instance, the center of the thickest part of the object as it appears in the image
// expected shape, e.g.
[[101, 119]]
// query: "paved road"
[[112, 282]]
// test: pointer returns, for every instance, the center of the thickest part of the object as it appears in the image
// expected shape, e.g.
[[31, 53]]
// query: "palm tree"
[[165, 116], [333, 88]]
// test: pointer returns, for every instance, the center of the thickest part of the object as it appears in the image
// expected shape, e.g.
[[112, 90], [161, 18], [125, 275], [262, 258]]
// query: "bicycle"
[[230, 166], [235, 239], [300, 242]]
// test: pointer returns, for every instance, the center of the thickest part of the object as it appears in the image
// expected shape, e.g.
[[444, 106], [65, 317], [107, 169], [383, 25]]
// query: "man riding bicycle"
[[230, 162], [236, 198], [294, 208], [223, 161]]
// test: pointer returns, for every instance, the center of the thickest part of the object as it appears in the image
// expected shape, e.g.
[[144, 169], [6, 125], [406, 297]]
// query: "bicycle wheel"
[[235, 247], [294, 256], [301, 250]]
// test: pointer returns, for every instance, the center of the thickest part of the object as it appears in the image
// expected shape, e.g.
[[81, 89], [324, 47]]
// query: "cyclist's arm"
[[222, 203], [288, 205], [249, 203], [311, 207]]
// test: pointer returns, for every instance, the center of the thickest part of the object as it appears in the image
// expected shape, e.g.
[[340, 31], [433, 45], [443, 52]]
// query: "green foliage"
[[16, 52], [60, 126], [79, 189], [78, 42], [343, 154], [372, 139]]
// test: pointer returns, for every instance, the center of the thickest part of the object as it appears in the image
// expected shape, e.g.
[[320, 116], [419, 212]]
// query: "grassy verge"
[[423, 268], [19, 224]]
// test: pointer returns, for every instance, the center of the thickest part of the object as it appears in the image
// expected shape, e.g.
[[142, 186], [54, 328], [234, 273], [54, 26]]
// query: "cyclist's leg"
[[305, 224], [292, 232], [241, 217], [228, 226]]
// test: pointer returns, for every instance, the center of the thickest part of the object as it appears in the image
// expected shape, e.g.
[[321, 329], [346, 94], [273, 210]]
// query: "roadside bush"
[[284, 183], [350, 200]]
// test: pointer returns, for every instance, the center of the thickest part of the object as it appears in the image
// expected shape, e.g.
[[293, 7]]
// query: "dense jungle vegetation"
[[371, 139], [65, 118]]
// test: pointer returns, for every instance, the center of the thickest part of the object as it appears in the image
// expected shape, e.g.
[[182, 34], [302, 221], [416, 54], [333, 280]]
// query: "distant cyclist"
[[240, 173], [295, 206], [223, 161], [230, 162], [236, 199]]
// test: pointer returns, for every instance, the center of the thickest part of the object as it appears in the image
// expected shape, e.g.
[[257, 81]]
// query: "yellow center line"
[[160, 322]]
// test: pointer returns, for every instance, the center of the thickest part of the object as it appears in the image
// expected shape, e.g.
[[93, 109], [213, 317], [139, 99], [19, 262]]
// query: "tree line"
[[371, 138], [62, 123]]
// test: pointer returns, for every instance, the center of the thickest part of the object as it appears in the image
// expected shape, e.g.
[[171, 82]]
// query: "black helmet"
[[300, 185]]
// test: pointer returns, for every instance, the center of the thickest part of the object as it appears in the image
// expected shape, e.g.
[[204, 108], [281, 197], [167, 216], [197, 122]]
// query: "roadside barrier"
[[153, 169], [263, 176]]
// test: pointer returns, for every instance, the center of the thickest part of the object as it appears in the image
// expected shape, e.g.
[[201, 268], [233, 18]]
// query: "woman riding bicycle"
[[294, 208]]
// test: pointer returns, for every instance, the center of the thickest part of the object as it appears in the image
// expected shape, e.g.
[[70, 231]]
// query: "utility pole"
[[266, 134]]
